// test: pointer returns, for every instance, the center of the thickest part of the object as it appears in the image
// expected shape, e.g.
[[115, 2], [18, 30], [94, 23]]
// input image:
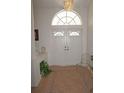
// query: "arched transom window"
[[66, 18]]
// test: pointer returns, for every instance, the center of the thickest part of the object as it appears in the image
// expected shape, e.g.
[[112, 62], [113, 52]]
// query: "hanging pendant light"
[[68, 5]]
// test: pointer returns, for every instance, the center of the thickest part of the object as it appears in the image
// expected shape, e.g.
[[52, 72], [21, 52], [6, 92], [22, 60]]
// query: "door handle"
[[66, 48]]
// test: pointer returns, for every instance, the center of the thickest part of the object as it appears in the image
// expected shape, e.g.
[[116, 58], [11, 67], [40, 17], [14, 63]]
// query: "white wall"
[[90, 32], [35, 70], [43, 18], [90, 27]]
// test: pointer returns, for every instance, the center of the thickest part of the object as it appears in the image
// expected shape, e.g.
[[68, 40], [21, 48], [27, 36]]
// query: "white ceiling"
[[57, 3]]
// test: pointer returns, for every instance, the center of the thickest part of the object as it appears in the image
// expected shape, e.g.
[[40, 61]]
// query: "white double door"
[[66, 47]]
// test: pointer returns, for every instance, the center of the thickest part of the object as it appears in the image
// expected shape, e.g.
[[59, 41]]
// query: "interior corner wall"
[[35, 69], [90, 28], [42, 19], [90, 33]]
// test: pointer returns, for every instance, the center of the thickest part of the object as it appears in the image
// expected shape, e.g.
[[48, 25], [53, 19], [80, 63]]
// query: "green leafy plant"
[[44, 68]]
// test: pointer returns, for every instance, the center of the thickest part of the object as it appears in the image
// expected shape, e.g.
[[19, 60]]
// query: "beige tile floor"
[[69, 79]]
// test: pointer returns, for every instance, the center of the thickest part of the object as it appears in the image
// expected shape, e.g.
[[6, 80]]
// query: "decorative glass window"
[[58, 33], [74, 34], [66, 18]]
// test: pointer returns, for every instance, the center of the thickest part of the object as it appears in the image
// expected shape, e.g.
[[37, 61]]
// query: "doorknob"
[[66, 48]]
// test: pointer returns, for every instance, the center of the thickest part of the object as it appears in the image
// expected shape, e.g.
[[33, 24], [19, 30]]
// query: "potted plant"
[[44, 68]]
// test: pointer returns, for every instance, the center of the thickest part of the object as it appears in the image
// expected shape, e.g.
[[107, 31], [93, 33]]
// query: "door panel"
[[66, 49]]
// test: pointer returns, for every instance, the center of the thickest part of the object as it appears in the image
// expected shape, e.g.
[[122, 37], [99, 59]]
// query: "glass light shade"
[[68, 5]]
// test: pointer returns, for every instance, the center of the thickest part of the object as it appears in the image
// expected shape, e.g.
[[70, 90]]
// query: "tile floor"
[[67, 79]]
